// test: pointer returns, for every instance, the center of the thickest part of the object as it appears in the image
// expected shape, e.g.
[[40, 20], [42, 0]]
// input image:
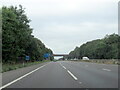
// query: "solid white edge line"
[[106, 69], [72, 75], [64, 67], [20, 77]]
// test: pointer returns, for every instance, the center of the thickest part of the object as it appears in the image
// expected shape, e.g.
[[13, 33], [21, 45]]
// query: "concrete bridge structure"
[[60, 54]]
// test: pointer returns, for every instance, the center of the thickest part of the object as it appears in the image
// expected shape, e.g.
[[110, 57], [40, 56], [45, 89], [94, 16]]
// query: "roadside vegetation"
[[100, 61], [18, 41], [7, 67], [106, 48]]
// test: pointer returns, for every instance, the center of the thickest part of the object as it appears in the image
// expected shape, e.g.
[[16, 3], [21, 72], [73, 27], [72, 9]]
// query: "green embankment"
[[105, 48], [9, 67], [18, 41], [117, 62]]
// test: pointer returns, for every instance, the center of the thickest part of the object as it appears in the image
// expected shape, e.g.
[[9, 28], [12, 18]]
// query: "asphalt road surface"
[[63, 74]]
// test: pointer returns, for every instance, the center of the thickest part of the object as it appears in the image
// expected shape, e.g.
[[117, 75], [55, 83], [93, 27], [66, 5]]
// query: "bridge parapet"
[[60, 54]]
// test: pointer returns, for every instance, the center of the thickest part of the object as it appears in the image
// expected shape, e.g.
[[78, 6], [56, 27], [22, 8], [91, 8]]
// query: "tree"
[[106, 48], [17, 38]]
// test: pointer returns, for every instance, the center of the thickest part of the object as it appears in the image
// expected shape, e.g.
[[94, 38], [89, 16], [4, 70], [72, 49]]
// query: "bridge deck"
[[60, 54]]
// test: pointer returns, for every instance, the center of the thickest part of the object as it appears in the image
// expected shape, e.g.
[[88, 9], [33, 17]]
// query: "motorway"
[[63, 74]]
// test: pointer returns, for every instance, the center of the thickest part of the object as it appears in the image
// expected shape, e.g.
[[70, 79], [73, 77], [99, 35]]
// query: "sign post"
[[27, 58], [46, 55]]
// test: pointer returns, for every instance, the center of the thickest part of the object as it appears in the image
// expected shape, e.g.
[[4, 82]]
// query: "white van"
[[85, 58]]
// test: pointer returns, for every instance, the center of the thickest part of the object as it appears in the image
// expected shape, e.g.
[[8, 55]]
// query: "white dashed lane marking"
[[71, 74], [106, 69]]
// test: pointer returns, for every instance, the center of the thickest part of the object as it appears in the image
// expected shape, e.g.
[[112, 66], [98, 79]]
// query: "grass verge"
[[9, 67], [117, 62]]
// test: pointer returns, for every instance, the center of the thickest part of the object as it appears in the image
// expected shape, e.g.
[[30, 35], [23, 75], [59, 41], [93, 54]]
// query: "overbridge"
[[60, 54], [63, 56]]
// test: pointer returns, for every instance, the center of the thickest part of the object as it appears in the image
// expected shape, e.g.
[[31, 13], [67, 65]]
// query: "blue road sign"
[[27, 57], [46, 55]]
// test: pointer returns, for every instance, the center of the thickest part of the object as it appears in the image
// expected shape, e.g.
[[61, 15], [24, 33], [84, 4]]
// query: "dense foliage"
[[106, 48], [0, 36], [17, 41]]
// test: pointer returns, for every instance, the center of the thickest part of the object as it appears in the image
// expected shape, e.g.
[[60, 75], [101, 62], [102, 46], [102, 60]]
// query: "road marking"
[[72, 75], [20, 78], [64, 67], [106, 69]]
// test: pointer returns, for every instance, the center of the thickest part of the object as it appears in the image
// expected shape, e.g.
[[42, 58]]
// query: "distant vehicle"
[[75, 59], [85, 58]]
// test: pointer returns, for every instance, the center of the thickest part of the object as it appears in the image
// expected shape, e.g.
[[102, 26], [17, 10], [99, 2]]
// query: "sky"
[[64, 24]]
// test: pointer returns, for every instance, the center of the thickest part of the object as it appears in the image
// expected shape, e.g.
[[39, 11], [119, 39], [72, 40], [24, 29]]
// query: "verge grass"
[[9, 67], [102, 61]]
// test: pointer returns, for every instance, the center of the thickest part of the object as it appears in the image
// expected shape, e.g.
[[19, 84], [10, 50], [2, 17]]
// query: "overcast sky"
[[64, 24]]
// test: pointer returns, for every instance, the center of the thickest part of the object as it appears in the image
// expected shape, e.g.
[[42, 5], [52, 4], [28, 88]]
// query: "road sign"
[[46, 55], [27, 57]]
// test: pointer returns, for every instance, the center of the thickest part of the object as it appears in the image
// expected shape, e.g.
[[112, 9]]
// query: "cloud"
[[69, 36], [64, 24]]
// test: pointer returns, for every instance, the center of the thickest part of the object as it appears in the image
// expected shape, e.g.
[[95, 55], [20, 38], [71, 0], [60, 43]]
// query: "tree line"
[[17, 38], [105, 48]]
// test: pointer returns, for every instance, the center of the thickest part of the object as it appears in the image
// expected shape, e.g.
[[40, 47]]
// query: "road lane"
[[65, 74], [93, 76], [9, 76], [95, 66], [51, 76], [16, 80]]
